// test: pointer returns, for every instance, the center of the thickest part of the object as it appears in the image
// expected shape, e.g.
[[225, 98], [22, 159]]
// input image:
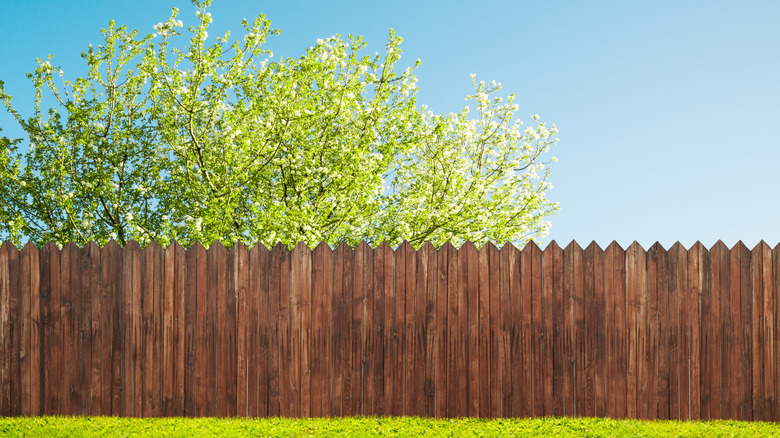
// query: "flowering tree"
[[173, 138]]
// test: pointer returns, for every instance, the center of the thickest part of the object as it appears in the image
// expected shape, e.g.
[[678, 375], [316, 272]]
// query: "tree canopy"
[[197, 138]]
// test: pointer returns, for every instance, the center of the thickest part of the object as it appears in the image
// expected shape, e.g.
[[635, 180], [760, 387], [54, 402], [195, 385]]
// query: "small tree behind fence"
[[651, 334]]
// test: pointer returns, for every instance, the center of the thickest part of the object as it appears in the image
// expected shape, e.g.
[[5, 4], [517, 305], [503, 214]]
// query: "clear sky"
[[668, 111]]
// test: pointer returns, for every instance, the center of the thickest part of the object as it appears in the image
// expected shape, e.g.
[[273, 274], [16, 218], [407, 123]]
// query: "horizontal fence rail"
[[650, 334]]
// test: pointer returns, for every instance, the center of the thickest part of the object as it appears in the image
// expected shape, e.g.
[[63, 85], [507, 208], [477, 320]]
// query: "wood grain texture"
[[656, 333]]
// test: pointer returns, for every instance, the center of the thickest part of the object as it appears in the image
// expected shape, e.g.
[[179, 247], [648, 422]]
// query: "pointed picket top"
[[677, 247], [217, 246], [72, 246], [573, 246], [553, 245], [508, 247], [257, 246], [9, 246], [196, 245], [237, 247], [112, 245], [489, 246], [657, 246], [385, 247], [172, 243], [29, 247], [739, 246], [51, 246], [719, 246], [529, 244], [615, 247], [343, 246], [322, 246], [405, 246], [467, 245], [698, 246], [153, 246], [594, 246], [447, 246], [635, 248], [363, 245], [761, 246]]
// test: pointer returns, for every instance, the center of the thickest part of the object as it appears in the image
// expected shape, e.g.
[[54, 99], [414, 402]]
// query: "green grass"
[[379, 427]]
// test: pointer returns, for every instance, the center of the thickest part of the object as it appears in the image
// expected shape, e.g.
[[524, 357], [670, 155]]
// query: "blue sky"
[[668, 111]]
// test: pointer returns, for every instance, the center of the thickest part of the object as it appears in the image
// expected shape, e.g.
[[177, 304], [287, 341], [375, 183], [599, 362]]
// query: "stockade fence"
[[650, 334]]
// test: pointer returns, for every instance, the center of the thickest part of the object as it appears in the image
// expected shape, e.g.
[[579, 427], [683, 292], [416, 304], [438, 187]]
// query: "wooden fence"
[[682, 334]]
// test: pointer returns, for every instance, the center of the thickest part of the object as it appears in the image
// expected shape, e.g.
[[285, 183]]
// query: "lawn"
[[371, 427]]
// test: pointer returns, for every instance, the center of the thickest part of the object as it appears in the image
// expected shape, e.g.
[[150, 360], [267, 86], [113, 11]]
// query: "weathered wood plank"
[[156, 328], [179, 328], [305, 329], [494, 328], [611, 353], [756, 332], [349, 404], [538, 331], [571, 252], [204, 331], [767, 333], [721, 366], [455, 350], [44, 283], [599, 330], [328, 359], [366, 338], [419, 335], [744, 333], [357, 303], [169, 324], [388, 329], [553, 263], [409, 350], [275, 332], [460, 270], [219, 353], [546, 268], [632, 371], [231, 291], [53, 381], [730, 325], [684, 327], [482, 292], [514, 319], [354, 300], [443, 334], [428, 329], [382, 323], [290, 395], [259, 319], [589, 329], [672, 335], [339, 338], [238, 282], [7, 324], [193, 374], [645, 392], [527, 336], [25, 353], [111, 344], [775, 354], [468, 287], [699, 305], [663, 352], [621, 335], [316, 335]]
